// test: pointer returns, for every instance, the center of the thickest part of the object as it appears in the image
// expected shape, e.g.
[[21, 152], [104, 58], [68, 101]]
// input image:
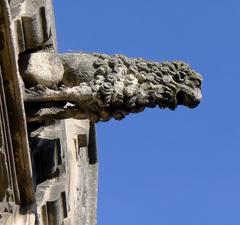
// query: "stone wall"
[[48, 171], [66, 188]]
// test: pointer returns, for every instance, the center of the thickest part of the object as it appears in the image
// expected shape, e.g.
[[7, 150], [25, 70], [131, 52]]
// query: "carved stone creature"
[[100, 86]]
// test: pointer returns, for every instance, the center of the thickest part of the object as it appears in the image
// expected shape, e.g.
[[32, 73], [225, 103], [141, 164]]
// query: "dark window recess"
[[57, 210], [82, 140], [46, 156], [92, 146]]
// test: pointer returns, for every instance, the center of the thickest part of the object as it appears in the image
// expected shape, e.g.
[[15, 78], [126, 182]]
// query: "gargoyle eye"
[[196, 82], [179, 76]]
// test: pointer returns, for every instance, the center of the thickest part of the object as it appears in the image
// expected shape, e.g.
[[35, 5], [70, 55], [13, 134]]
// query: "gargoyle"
[[100, 87]]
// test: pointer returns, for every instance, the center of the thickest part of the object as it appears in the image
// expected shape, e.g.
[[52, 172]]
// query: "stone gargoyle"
[[100, 87]]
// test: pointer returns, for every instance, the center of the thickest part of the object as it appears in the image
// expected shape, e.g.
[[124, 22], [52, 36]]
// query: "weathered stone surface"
[[102, 87], [70, 196], [77, 85], [77, 69], [41, 68], [29, 27], [14, 114], [34, 24], [3, 176], [84, 172]]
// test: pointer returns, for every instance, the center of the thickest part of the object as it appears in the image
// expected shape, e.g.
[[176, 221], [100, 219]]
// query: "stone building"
[[49, 104], [48, 173]]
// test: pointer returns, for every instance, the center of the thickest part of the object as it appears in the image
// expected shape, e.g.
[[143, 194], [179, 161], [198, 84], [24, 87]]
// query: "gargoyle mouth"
[[189, 98]]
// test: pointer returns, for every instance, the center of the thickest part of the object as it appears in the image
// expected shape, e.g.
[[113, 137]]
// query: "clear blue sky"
[[162, 167]]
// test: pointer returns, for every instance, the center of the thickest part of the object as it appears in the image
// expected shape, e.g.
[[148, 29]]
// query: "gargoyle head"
[[149, 83], [188, 83]]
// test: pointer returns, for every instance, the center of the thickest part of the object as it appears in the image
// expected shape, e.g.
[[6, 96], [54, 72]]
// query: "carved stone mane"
[[100, 86]]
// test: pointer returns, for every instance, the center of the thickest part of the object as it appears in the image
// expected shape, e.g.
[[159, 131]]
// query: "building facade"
[[48, 171]]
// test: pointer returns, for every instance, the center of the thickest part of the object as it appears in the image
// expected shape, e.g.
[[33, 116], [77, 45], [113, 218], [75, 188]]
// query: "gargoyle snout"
[[196, 99], [188, 99]]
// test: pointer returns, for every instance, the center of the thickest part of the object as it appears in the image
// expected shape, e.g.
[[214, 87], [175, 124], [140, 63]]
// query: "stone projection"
[[100, 86], [49, 104]]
